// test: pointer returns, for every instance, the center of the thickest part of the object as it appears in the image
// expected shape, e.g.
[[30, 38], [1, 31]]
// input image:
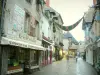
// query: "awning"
[[7, 41], [47, 41]]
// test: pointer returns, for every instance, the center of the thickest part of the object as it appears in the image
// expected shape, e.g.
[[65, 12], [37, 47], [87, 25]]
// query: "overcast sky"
[[71, 11]]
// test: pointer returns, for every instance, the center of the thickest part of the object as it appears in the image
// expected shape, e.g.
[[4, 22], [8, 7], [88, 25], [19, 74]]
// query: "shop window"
[[38, 32], [15, 59], [35, 59], [46, 55]]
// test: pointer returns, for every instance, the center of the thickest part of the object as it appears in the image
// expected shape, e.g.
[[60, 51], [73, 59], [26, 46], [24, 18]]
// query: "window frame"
[[28, 28]]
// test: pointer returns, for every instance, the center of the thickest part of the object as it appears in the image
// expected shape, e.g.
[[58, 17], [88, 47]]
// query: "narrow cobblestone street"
[[67, 68]]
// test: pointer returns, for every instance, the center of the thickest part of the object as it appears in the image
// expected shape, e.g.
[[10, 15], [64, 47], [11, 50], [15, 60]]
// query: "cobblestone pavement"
[[70, 67]]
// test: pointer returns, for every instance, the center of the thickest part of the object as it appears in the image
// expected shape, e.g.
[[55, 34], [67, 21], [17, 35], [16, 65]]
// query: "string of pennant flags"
[[68, 28], [65, 28]]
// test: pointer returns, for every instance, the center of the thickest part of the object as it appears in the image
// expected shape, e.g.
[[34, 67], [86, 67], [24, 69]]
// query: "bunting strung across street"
[[68, 28]]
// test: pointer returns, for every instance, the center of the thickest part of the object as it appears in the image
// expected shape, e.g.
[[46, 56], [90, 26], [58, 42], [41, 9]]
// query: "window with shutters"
[[30, 24], [27, 22], [38, 31], [32, 27], [32, 31]]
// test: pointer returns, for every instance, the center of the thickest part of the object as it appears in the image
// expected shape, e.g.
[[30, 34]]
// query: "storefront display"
[[15, 60], [32, 59]]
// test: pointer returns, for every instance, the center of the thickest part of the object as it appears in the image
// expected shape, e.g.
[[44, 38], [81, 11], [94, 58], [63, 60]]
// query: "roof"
[[67, 35], [52, 10], [88, 17]]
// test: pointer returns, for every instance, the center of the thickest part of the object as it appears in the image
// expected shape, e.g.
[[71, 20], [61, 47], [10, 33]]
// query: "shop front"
[[16, 60], [57, 54], [61, 50], [47, 55], [19, 57], [32, 60]]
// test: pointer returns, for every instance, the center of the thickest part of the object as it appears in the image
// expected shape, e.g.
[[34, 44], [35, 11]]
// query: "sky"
[[71, 11]]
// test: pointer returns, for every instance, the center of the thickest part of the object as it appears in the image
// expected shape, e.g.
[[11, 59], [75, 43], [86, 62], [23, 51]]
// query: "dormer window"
[[47, 13], [53, 13], [56, 18], [29, 1], [42, 2]]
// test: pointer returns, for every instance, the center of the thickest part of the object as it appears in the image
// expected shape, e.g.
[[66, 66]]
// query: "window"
[[29, 1], [38, 31], [98, 1], [38, 6], [32, 30], [35, 57], [16, 58], [99, 30], [27, 22], [47, 13], [29, 27]]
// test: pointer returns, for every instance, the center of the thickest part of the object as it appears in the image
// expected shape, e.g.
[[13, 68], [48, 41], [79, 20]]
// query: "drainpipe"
[[2, 18], [1, 31]]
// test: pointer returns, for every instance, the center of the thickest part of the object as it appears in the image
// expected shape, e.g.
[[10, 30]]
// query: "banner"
[[68, 28]]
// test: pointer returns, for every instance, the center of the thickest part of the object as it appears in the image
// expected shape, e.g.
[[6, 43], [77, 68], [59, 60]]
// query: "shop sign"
[[17, 44], [6, 41]]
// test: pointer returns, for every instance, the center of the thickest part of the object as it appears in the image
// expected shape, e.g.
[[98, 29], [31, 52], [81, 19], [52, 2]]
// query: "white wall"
[[89, 56], [74, 46], [58, 35], [14, 20], [45, 27], [66, 44], [81, 47]]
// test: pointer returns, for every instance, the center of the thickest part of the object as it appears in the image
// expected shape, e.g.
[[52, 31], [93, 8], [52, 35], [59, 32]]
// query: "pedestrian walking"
[[67, 57], [76, 58]]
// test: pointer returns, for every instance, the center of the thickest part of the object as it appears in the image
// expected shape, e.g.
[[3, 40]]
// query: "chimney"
[[48, 3]]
